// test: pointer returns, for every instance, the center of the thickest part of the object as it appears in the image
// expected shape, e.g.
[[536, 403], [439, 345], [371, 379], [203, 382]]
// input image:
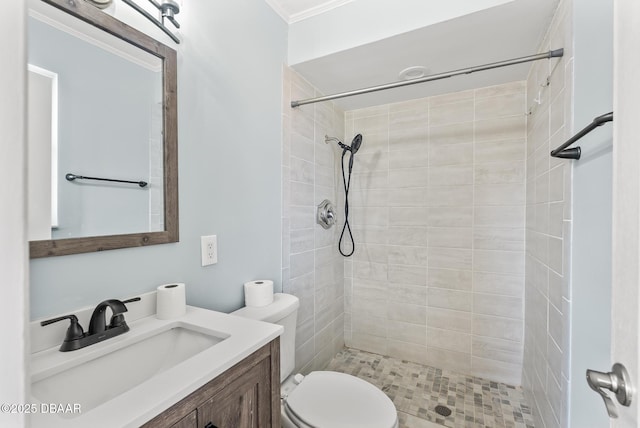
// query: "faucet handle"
[[74, 331], [118, 319]]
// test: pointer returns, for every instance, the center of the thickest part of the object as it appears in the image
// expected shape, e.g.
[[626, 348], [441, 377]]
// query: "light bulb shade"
[[174, 5], [101, 4]]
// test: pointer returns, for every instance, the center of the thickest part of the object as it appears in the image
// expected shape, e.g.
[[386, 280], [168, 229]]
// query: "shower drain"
[[442, 410]]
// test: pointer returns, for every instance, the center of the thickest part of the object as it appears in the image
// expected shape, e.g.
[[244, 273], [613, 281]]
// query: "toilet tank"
[[283, 311]]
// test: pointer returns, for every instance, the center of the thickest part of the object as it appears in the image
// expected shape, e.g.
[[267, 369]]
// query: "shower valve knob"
[[326, 216]]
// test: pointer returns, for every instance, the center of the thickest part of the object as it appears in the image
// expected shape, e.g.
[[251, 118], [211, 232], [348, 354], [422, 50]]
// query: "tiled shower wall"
[[546, 373], [312, 268], [437, 208]]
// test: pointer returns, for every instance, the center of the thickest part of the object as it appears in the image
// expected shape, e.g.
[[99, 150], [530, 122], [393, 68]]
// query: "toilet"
[[321, 399]]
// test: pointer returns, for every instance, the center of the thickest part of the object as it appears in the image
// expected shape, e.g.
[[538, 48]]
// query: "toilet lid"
[[338, 400]]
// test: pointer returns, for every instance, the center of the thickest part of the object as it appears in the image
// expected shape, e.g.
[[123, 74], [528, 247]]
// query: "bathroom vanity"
[[205, 369], [247, 395]]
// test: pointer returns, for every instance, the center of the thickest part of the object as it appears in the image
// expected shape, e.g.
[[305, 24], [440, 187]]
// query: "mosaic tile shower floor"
[[416, 389]]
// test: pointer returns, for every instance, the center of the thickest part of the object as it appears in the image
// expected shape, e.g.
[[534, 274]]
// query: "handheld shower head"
[[352, 149], [355, 144]]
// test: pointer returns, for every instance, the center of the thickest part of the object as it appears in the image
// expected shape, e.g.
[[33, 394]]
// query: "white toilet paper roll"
[[258, 293], [171, 301]]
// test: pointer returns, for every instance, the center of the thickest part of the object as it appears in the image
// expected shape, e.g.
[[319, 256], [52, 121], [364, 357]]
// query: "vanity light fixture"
[[100, 4], [168, 9]]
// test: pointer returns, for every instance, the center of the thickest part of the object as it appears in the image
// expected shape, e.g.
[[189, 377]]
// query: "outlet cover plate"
[[209, 249]]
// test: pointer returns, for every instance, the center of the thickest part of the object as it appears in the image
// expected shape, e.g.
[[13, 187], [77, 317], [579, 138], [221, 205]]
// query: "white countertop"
[[146, 400]]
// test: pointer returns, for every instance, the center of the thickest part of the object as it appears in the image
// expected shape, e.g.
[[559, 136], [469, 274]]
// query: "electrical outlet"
[[209, 249]]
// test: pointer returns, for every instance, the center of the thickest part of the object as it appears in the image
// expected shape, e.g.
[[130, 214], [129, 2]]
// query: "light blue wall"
[[592, 187], [229, 107]]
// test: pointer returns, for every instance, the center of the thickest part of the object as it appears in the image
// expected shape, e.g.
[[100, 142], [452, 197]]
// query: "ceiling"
[[296, 10], [503, 32]]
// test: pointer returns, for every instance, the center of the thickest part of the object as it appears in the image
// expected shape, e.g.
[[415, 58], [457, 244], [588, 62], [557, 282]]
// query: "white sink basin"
[[129, 379], [96, 381]]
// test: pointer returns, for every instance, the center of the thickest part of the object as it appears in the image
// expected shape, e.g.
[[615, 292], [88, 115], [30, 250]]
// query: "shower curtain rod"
[[545, 55]]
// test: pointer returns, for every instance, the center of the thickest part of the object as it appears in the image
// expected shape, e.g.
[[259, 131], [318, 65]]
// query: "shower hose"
[[347, 183]]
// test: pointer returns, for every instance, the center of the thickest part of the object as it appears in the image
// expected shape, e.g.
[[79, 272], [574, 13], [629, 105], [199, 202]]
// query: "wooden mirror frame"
[[105, 22]]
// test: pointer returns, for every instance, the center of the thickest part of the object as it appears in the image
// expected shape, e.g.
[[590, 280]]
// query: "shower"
[[346, 181]]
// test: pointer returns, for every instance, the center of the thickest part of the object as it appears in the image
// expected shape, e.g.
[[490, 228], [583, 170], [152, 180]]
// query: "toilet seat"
[[338, 400]]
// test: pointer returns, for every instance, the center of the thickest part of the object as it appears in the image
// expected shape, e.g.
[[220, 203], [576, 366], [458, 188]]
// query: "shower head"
[[355, 144]]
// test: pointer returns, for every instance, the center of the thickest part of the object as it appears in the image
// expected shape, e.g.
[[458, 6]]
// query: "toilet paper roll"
[[258, 293], [171, 301]]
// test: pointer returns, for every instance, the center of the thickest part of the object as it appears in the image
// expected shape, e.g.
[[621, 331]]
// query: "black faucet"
[[98, 322], [76, 338]]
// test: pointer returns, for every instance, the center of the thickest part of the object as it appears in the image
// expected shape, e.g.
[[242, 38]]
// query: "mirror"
[[102, 133]]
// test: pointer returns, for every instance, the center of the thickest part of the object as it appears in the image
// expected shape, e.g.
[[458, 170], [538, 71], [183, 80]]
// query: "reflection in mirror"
[[101, 104], [108, 102]]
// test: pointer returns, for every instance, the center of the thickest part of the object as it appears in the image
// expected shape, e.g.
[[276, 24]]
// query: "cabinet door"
[[244, 403], [189, 421]]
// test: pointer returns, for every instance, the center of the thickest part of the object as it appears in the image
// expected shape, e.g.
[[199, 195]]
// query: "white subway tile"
[[415, 314], [301, 264], [414, 158], [497, 371], [448, 360], [507, 239], [450, 154], [405, 255], [449, 237], [447, 319], [407, 351], [450, 299], [407, 216], [302, 240], [407, 293], [450, 216], [451, 97], [450, 258], [407, 332], [453, 279], [369, 289], [517, 87], [403, 274], [507, 128], [365, 270], [512, 104], [371, 124], [301, 193], [499, 173], [408, 177], [376, 253], [497, 349], [500, 328], [495, 283], [449, 340], [440, 136], [499, 194], [505, 216], [455, 112], [369, 324], [509, 262], [369, 343], [409, 197], [500, 151], [450, 196], [412, 236], [501, 306], [450, 175]]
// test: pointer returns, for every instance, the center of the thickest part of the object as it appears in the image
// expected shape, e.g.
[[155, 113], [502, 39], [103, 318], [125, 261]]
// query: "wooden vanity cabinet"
[[245, 396]]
